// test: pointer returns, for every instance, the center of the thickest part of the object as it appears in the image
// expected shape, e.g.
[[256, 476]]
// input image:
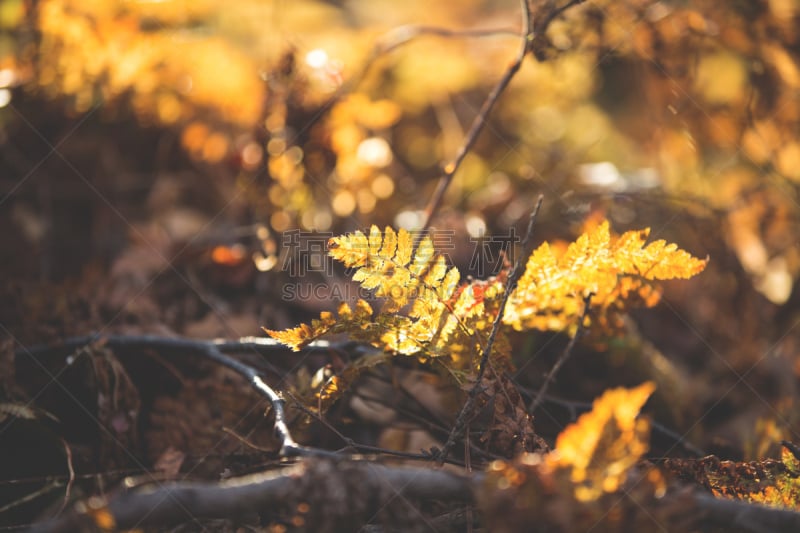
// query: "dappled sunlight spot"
[[251, 155], [194, 136], [8, 77], [603, 174], [280, 221], [788, 160], [776, 282], [344, 203], [316, 58], [276, 146], [548, 124], [721, 78], [409, 219], [215, 148], [168, 109], [476, 226], [784, 64], [264, 263], [382, 186], [327, 71], [761, 141], [375, 152], [229, 255], [366, 201]]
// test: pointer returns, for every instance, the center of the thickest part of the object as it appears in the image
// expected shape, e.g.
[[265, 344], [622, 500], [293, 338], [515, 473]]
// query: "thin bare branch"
[[480, 119], [539, 398], [70, 479], [513, 278], [531, 32], [212, 350], [404, 34]]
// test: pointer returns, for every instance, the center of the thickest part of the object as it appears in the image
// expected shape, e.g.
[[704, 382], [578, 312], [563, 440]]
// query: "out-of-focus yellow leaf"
[[605, 443], [722, 78]]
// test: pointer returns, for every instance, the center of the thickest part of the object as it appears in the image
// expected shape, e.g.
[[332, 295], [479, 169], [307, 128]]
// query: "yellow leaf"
[[603, 444], [302, 335], [616, 272]]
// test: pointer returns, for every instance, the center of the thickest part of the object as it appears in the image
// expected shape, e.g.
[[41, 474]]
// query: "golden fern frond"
[[617, 272], [444, 320], [386, 262], [439, 321], [349, 321], [428, 315]]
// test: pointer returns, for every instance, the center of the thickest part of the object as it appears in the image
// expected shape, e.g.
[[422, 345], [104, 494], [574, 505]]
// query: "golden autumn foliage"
[[771, 482], [97, 52], [600, 448], [594, 458], [615, 271], [440, 320], [782, 490], [427, 313], [318, 116]]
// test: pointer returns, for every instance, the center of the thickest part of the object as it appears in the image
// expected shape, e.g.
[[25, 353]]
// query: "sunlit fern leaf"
[[422, 258], [616, 272], [657, 260], [427, 314], [351, 249], [348, 321], [387, 263]]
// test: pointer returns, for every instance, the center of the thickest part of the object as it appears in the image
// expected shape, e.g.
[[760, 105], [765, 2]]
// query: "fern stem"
[[540, 396]]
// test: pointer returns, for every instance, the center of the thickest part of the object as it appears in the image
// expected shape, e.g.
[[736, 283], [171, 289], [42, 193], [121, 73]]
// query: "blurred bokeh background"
[[155, 154]]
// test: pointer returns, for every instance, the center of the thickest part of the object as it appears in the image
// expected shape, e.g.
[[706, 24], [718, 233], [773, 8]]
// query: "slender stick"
[[532, 36], [212, 350], [480, 119], [513, 278], [71, 479], [540, 396]]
